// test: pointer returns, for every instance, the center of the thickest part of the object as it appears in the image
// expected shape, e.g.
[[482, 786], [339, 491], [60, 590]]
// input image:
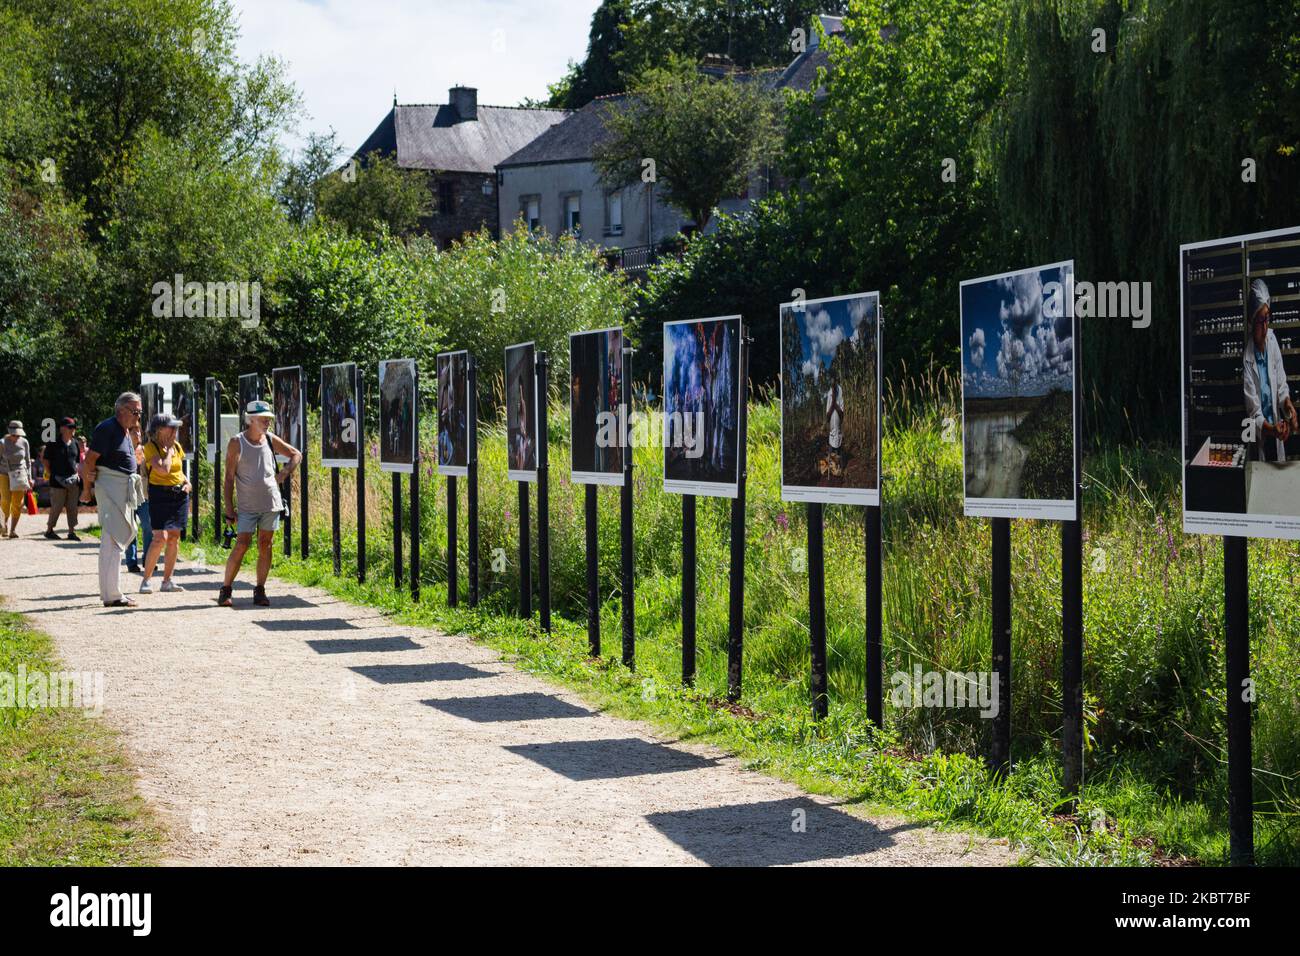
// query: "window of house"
[[530, 208], [446, 197], [573, 213], [614, 213]]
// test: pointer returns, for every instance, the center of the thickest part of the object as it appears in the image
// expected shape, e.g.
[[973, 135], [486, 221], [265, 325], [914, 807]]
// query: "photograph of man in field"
[[1017, 333], [830, 400], [286, 385], [701, 406]]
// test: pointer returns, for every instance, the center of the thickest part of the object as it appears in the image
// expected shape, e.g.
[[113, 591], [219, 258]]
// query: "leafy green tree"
[[375, 196], [705, 135], [300, 182]]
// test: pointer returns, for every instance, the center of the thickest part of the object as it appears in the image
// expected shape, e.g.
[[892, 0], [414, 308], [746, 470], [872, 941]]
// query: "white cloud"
[[348, 58], [1029, 350], [977, 347]]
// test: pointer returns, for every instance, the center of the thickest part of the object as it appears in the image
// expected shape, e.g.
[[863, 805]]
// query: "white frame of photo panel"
[[1043, 509], [398, 467], [451, 471], [609, 478], [712, 489], [814, 493], [521, 474], [340, 462], [1281, 527]]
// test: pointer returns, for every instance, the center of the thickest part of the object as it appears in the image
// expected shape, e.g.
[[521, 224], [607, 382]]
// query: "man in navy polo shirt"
[[111, 467]]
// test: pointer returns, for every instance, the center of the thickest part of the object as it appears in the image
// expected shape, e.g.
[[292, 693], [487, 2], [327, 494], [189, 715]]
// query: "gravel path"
[[316, 732]]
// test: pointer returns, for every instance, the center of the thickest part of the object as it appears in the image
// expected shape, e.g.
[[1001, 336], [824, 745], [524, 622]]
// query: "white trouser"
[[110, 568]]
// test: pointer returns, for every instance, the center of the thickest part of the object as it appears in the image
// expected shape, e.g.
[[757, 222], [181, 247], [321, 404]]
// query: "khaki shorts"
[[250, 521]]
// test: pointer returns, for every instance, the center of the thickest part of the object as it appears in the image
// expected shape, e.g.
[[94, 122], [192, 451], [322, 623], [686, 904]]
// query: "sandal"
[[260, 598], [224, 599]]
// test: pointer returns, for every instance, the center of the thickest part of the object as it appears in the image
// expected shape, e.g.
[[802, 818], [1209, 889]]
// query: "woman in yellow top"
[[169, 498]]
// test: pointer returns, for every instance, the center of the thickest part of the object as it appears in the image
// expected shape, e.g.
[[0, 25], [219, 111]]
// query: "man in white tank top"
[[252, 486]]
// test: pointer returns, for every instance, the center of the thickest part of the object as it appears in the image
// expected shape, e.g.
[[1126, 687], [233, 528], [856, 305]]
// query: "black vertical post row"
[[591, 516], [415, 496], [688, 590], [1236, 619], [334, 520], [399, 573], [1001, 620], [625, 508], [875, 627], [543, 496], [217, 516], [452, 571], [304, 529], [361, 475], [817, 608], [471, 491], [736, 637], [525, 556]]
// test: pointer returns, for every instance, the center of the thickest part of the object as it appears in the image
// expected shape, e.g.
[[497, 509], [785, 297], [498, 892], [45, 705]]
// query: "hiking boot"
[[260, 598], [51, 535], [224, 599], [170, 585]]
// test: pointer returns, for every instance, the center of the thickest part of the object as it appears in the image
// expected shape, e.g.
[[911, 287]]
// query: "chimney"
[[464, 100]]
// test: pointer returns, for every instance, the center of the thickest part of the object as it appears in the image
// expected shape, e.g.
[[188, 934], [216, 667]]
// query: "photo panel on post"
[[339, 413], [702, 406], [211, 416], [453, 413], [595, 397], [290, 412], [1019, 377], [830, 400], [521, 412], [1240, 307], [183, 408], [397, 439], [250, 390]]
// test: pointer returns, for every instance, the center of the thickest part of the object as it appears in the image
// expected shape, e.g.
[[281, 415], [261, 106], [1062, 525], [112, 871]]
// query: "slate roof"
[[574, 139], [433, 136]]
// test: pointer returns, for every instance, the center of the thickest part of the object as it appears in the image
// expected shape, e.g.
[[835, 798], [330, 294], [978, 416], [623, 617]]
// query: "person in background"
[[16, 478], [61, 459], [133, 550], [111, 473], [1268, 397], [252, 483], [169, 498]]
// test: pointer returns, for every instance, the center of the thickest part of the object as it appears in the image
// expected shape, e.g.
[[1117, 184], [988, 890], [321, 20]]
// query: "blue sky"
[[1005, 335], [347, 57], [824, 325]]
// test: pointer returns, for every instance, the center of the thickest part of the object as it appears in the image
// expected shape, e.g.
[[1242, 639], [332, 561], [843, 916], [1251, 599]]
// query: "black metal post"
[[875, 628], [543, 496], [817, 608], [736, 635], [1236, 619], [1000, 757], [452, 557], [217, 516], [525, 556], [195, 432], [334, 519], [471, 491], [688, 590], [625, 508], [1071, 656], [591, 515], [398, 569], [415, 532], [361, 476], [286, 495]]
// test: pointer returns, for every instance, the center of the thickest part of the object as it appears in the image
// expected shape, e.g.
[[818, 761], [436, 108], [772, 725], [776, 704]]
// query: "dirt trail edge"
[[316, 732]]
